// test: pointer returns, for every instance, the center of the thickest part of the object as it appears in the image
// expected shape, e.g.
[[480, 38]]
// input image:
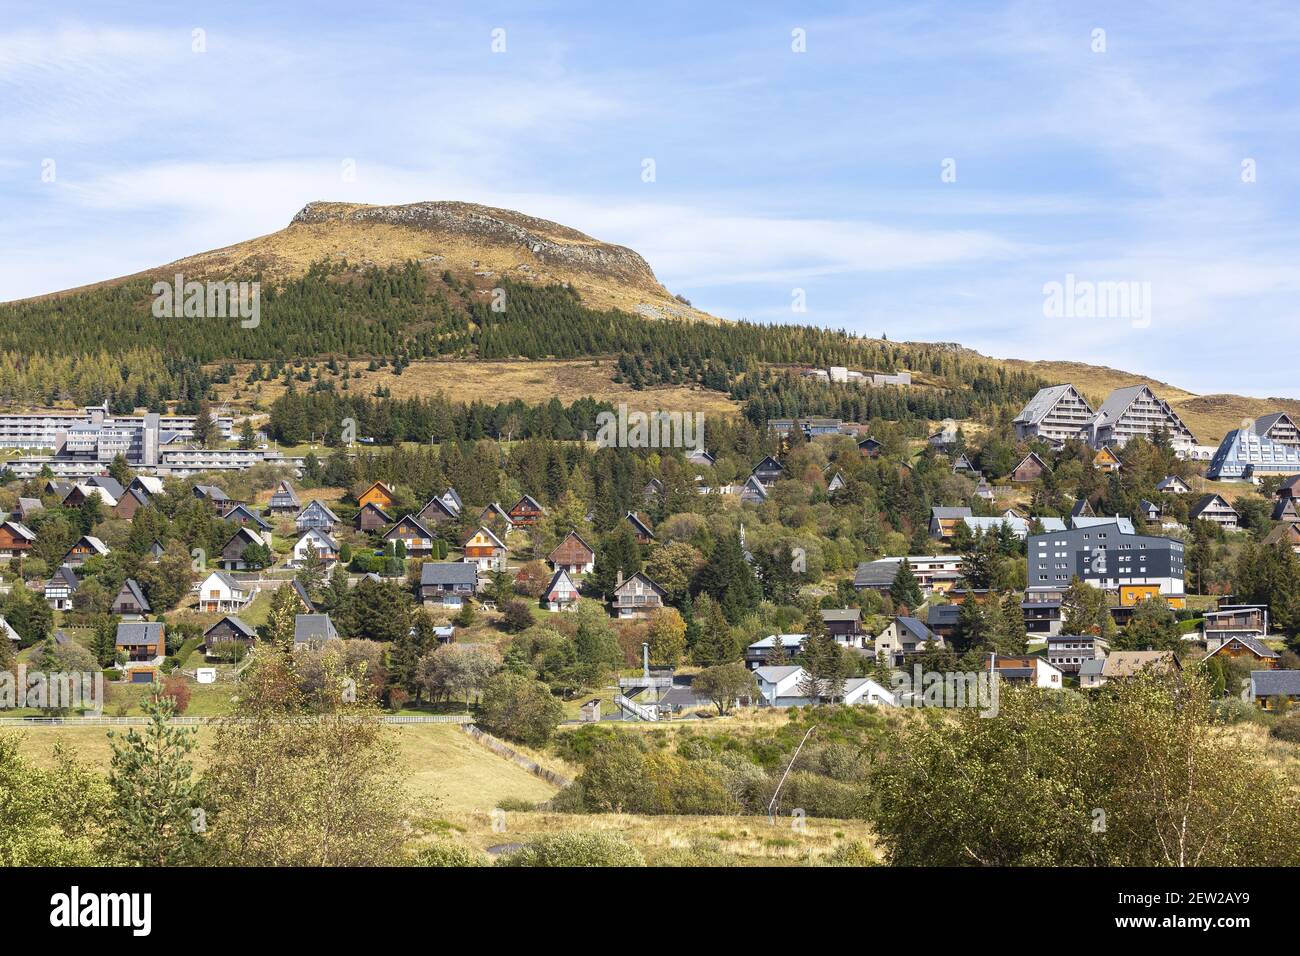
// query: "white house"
[[325, 546], [222, 594], [560, 593], [781, 687], [775, 683], [863, 690]]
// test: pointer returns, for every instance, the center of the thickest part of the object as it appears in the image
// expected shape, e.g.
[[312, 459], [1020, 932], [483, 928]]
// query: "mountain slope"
[[461, 237], [60, 343]]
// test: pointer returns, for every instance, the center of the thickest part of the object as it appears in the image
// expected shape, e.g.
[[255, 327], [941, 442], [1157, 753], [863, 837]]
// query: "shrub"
[[177, 688], [520, 709], [1288, 729], [853, 853], [575, 849], [445, 853]]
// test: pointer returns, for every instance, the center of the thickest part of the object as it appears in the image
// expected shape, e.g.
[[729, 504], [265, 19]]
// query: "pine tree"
[[279, 626], [904, 590], [159, 816]]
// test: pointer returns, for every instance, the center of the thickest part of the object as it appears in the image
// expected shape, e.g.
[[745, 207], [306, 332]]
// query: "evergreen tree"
[[904, 589], [157, 803]]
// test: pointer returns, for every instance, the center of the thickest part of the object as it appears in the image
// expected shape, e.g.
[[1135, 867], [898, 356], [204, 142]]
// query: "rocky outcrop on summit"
[[550, 242]]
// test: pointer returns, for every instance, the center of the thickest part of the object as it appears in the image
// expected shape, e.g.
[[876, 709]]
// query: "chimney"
[[618, 580]]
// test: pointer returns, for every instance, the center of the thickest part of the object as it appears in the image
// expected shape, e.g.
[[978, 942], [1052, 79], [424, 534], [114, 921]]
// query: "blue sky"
[[775, 170]]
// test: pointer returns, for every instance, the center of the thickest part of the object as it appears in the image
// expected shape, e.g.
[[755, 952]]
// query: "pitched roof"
[[638, 523], [1128, 663], [308, 628], [487, 531], [1250, 642], [1034, 455], [876, 573], [642, 575], [559, 574], [300, 589], [438, 504], [319, 505], [774, 675], [284, 496], [236, 623], [387, 518], [1206, 501], [577, 537], [939, 511], [1275, 683], [915, 628], [20, 529], [95, 544], [242, 510], [134, 591], [1171, 481], [1265, 422], [138, 633], [841, 614], [317, 532], [413, 520], [787, 640], [439, 573], [65, 576], [529, 500], [226, 580], [1282, 532], [1042, 403]]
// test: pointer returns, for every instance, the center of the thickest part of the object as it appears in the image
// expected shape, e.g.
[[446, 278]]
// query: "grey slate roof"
[[139, 633], [1274, 683], [136, 594], [237, 624], [1042, 403], [312, 628], [943, 615], [443, 573], [1255, 644], [879, 573], [916, 628], [941, 512], [842, 614]]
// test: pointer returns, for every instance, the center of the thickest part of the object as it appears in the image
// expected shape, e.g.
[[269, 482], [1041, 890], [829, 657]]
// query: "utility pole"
[[770, 818]]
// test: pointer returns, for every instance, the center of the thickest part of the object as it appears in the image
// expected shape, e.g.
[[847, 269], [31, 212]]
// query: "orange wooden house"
[[1106, 460], [379, 494], [16, 539], [486, 550]]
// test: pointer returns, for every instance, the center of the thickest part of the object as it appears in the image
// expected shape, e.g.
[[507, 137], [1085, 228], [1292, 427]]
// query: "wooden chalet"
[[526, 511], [371, 517], [640, 530], [637, 597], [1031, 468], [573, 555], [414, 535], [379, 494], [486, 550]]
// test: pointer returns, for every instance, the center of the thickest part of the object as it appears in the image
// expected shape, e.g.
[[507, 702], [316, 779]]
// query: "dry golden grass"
[[462, 776], [492, 382], [745, 840], [608, 277]]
